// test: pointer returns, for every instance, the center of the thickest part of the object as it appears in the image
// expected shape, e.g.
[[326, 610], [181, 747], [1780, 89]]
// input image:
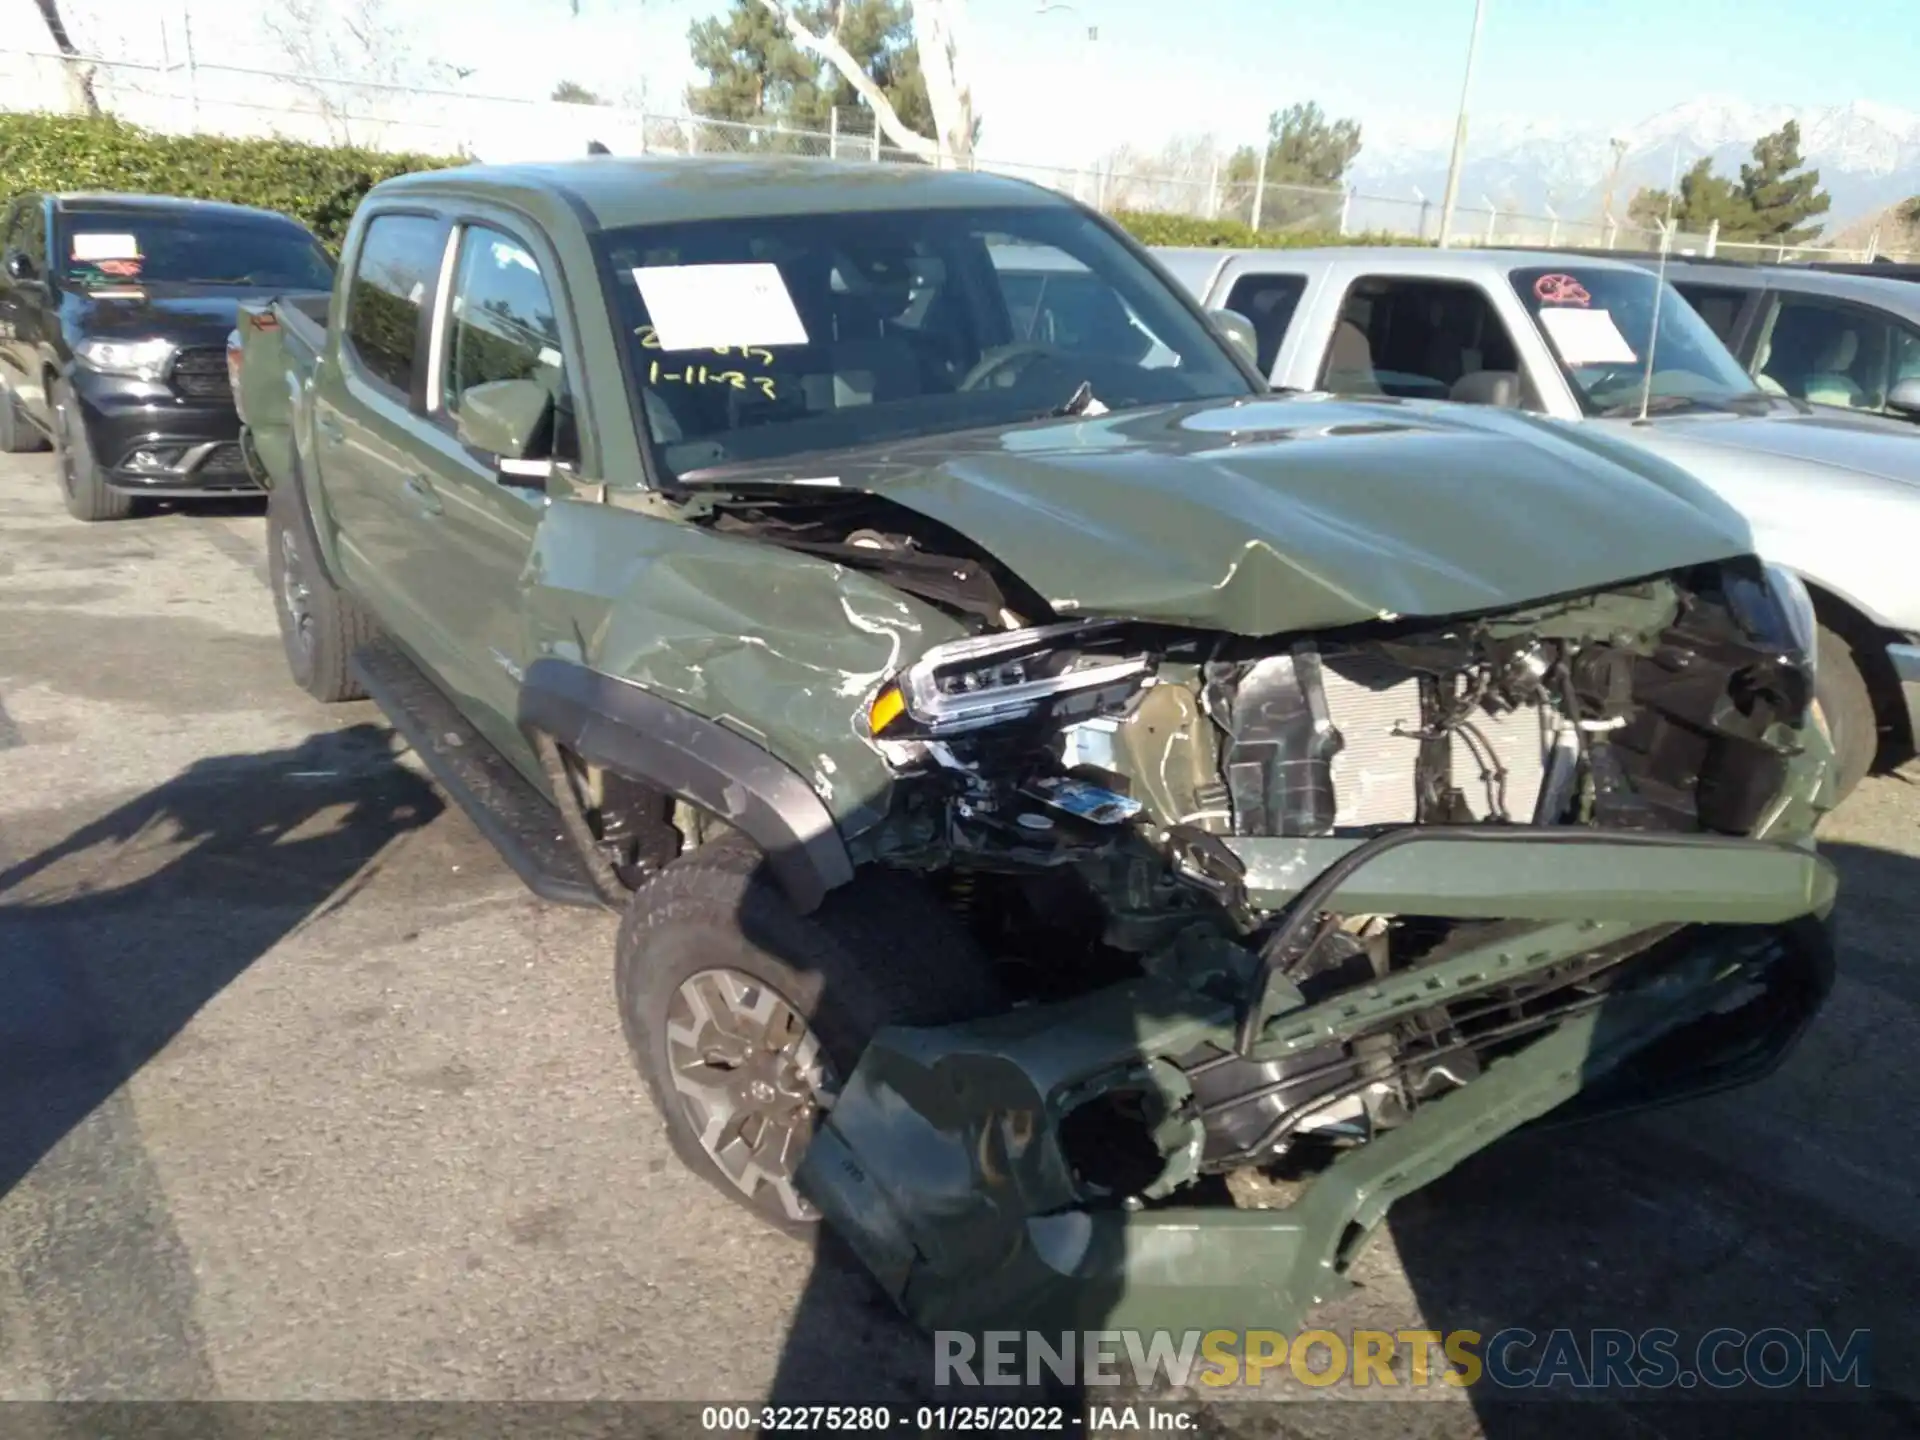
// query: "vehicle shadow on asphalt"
[[1612, 1224], [114, 937], [1734, 1210]]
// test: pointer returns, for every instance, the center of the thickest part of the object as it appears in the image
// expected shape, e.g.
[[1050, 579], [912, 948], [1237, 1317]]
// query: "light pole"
[[1460, 130]]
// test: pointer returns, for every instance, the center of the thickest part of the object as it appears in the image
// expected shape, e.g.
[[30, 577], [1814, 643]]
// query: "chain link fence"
[[177, 94]]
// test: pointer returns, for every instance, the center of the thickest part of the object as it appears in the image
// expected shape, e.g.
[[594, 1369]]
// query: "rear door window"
[[1717, 305], [1826, 353], [26, 232], [1269, 301], [393, 282], [1417, 339]]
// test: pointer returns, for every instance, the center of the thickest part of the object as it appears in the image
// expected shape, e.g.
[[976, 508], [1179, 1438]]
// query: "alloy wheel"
[[752, 1081], [296, 594]]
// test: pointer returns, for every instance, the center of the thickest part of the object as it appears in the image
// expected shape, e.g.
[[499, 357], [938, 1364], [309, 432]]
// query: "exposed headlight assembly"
[[136, 359], [1778, 612], [1790, 592], [1067, 672]]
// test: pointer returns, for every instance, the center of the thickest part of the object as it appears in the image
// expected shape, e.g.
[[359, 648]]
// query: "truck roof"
[[617, 191], [1899, 296], [1197, 267], [167, 204]]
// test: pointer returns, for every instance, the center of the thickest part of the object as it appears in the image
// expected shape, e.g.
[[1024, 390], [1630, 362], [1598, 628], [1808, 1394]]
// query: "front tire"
[[17, 433], [745, 1017], [1848, 706], [83, 485], [320, 626]]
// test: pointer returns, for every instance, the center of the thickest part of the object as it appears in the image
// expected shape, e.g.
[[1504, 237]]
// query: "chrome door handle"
[[421, 490]]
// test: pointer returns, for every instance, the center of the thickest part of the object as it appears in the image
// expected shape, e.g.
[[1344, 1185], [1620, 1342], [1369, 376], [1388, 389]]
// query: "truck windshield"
[[153, 247], [1599, 323], [758, 338]]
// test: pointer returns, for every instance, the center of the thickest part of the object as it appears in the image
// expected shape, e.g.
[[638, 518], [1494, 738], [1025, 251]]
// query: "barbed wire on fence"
[[179, 95]]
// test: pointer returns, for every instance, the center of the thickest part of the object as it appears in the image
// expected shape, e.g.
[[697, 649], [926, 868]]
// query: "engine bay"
[[1086, 774]]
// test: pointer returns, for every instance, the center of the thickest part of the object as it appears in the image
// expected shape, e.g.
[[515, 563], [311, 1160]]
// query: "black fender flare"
[[619, 725]]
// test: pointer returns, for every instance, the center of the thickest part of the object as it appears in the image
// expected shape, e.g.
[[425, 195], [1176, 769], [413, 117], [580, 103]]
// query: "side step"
[[516, 818]]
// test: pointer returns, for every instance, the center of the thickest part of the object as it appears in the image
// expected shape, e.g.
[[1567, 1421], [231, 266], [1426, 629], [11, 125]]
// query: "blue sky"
[[1049, 93], [1166, 67]]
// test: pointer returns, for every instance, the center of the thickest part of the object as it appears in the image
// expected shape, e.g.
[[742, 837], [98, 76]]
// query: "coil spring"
[[961, 893]]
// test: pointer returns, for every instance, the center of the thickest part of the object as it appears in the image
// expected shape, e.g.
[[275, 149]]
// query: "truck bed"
[[279, 338]]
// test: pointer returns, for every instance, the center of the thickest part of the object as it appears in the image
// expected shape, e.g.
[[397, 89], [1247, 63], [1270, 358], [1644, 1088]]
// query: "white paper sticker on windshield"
[[94, 245], [1586, 337], [707, 307]]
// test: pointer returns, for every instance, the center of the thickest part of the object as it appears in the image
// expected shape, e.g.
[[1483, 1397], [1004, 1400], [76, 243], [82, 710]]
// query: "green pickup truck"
[[1050, 781]]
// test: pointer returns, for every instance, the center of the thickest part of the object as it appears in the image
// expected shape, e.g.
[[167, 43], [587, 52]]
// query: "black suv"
[[114, 316]]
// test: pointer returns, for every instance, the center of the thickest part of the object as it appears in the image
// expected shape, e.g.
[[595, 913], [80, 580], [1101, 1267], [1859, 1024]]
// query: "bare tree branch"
[[335, 42], [937, 25], [79, 74], [829, 48]]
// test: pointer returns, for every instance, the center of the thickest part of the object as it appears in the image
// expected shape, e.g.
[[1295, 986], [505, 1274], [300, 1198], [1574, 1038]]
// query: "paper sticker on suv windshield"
[[1587, 337], [96, 246], [704, 307]]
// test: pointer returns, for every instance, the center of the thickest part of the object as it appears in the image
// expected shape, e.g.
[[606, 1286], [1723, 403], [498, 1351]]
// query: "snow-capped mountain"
[[1868, 156]]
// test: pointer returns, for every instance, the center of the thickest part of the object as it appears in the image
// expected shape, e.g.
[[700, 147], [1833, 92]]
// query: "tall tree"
[[1702, 198], [572, 92], [1770, 201], [79, 73], [754, 70], [937, 54], [1782, 194], [1305, 148]]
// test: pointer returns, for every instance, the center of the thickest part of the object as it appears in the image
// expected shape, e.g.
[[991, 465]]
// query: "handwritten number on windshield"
[[651, 341]]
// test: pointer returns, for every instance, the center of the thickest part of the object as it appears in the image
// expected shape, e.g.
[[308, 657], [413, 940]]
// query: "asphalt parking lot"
[[302, 1096]]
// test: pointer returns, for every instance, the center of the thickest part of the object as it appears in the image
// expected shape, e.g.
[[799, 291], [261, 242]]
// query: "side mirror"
[[1500, 388], [1237, 330], [1905, 397], [19, 267], [504, 419]]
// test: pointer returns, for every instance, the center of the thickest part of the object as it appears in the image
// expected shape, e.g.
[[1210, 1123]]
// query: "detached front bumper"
[[151, 440], [941, 1162]]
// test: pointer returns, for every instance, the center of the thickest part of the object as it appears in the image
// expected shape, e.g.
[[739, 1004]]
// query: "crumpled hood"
[[1297, 513]]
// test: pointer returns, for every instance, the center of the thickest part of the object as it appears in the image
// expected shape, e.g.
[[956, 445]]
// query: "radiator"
[[1373, 771]]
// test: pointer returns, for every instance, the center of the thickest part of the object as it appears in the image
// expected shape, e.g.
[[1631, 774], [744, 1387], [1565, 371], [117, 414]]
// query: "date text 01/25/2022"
[[887, 1419]]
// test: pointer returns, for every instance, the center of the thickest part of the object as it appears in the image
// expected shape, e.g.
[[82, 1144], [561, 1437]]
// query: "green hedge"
[[1156, 229], [319, 185]]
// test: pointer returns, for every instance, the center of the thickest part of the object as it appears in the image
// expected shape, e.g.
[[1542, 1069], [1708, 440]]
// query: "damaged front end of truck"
[[1307, 921], [1333, 796]]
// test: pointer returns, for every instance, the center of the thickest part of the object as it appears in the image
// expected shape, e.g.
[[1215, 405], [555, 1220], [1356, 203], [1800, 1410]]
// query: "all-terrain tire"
[[18, 435], [83, 485], [320, 625], [879, 951], [1848, 707]]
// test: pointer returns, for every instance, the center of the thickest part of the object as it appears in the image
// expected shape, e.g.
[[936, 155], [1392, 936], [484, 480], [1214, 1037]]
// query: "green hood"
[[1300, 513]]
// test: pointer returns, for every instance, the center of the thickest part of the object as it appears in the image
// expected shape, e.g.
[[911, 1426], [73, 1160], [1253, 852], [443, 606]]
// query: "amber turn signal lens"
[[888, 706]]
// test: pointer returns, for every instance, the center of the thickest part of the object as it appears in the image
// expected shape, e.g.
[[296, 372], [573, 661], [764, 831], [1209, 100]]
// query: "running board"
[[517, 819]]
